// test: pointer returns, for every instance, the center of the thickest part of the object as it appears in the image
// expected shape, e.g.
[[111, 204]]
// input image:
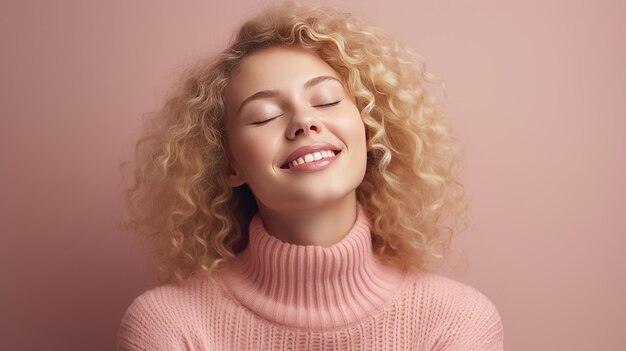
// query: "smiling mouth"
[[305, 159]]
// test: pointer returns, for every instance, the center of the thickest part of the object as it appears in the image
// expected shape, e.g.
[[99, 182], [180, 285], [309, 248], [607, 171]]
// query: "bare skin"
[[309, 206]]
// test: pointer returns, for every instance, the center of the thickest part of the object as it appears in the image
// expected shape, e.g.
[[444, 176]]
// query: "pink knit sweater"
[[280, 296]]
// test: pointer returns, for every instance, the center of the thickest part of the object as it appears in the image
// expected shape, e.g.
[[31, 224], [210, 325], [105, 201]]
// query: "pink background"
[[536, 91]]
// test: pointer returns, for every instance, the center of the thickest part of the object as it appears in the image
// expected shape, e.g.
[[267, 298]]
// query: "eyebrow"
[[272, 93]]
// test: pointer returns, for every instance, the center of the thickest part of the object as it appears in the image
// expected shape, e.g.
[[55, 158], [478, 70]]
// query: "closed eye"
[[331, 104], [267, 120]]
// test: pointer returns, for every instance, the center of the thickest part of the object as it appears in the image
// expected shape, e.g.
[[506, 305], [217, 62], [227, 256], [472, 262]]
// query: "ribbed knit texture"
[[281, 296]]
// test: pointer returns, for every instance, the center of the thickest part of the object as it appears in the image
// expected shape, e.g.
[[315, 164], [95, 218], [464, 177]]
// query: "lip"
[[301, 151]]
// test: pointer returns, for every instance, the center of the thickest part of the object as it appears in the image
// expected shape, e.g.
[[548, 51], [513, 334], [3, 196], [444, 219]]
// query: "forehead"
[[275, 68]]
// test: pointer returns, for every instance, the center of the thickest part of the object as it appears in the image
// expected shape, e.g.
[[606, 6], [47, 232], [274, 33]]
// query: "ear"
[[234, 176]]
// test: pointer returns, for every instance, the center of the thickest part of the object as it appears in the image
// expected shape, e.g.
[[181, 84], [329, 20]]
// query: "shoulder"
[[462, 317], [163, 317], [452, 294], [173, 297]]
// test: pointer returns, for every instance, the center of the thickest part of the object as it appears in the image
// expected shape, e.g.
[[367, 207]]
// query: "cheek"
[[254, 148], [353, 129]]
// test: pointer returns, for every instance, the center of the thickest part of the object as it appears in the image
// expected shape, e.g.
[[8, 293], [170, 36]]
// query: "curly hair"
[[193, 221]]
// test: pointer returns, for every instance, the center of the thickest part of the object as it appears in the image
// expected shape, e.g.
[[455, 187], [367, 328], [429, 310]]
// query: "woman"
[[294, 190]]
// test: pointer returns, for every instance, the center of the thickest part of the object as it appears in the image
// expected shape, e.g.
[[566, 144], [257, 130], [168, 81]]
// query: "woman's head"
[[204, 163], [308, 105]]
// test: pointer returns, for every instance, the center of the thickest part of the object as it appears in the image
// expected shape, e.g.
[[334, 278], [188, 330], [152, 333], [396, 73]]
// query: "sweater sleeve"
[[477, 325], [146, 325]]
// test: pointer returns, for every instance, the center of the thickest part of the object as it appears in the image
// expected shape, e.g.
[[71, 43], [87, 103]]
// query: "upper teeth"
[[314, 156]]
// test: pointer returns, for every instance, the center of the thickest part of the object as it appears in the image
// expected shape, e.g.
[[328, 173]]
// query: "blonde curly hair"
[[193, 221]]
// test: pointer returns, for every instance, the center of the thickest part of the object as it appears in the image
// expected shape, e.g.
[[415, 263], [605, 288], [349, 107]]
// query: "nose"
[[303, 122]]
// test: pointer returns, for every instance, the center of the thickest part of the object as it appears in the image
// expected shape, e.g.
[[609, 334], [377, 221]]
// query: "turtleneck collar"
[[309, 286]]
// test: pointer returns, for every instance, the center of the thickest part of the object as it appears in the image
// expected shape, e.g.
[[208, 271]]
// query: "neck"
[[310, 286], [321, 226]]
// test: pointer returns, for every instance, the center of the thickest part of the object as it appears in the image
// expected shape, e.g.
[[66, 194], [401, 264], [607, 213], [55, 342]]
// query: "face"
[[281, 101]]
